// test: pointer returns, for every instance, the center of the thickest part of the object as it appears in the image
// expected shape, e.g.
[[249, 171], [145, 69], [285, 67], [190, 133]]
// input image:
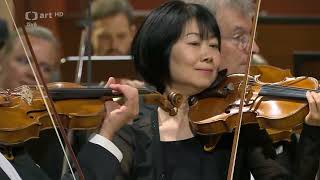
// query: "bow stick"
[[244, 89]]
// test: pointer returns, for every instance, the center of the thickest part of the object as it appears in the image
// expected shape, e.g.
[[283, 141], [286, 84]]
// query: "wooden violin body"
[[272, 74], [279, 106], [24, 113], [23, 119], [269, 74]]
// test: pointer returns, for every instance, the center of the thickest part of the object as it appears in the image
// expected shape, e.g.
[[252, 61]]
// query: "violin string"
[[291, 92], [37, 80], [286, 89]]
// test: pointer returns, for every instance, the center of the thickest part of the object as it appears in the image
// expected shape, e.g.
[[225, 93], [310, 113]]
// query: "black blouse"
[[186, 159], [145, 157]]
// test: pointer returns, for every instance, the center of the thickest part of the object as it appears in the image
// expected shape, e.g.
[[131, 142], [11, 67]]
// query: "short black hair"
[[161, 29]]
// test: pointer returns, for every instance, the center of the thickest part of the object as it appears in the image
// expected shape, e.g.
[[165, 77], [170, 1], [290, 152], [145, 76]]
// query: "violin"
[[279, 106], [272, 74], [269, 74], [79, 108]]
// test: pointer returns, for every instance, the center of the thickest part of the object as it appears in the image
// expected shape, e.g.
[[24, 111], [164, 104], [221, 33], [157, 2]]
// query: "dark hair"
[[162, 28], [4, 33]]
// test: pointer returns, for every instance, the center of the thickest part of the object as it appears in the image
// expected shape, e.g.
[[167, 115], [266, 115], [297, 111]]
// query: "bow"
[[244, 90]]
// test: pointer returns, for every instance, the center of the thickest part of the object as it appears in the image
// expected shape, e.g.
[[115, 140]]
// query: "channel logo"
[[31, 16]]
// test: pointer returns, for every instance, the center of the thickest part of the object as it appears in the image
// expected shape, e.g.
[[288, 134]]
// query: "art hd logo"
[[33, 16]]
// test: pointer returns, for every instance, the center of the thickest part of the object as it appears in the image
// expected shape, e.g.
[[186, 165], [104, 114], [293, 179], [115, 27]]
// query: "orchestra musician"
[[178, 39], [113, 27], [184, 39], [16, 162], [235, 22], [15, 72]]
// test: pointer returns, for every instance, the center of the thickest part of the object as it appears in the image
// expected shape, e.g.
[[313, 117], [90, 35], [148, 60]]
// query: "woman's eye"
[[194, 43], [216, 46]]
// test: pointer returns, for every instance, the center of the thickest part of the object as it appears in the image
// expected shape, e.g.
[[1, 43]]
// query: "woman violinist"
[[177, 50]]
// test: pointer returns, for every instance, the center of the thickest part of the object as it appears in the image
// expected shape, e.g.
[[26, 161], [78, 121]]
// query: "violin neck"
[[86, 93], [285, 92]]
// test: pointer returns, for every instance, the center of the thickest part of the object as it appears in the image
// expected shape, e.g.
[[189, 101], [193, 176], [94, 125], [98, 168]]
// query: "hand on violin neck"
[[125, 81], [313, 117], [117, 115], [133, 83]]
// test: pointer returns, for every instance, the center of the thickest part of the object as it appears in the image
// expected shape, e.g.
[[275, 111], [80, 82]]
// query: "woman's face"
[[17, 70], [193, 62]]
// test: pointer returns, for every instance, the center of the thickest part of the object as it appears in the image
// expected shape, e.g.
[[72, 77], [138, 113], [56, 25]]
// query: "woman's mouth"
[[205, 71]]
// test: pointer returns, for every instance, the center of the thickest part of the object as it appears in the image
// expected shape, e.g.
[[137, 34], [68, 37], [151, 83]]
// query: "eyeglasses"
[[242, 41]]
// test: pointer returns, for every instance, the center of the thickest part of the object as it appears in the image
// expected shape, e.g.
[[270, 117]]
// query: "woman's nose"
[[207, 59]]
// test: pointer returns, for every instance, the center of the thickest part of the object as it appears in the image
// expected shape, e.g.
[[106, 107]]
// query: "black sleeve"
[[265, 168], [307, 156], [97, 163], [27, 168], [261, 157]]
